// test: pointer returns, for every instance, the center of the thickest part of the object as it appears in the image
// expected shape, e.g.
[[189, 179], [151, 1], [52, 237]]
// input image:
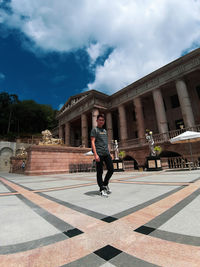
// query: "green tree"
[[7, 103], [24, 117]]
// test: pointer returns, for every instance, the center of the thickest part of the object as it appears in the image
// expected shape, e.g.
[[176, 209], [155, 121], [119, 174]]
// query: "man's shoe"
[[108, 190], [103, 193]]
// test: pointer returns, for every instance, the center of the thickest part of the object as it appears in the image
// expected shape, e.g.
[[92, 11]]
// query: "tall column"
[[139, 117], [67, 133], [185, 103], [122, 123], [84, 130], [160, 111], [109, 128], [60, 132], [95, 113]]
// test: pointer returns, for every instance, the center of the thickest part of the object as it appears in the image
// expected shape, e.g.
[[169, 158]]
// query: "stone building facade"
[[8, 150], [167, 101]]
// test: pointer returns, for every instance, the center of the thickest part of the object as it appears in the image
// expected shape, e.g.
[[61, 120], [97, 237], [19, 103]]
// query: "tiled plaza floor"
[[150, 219]]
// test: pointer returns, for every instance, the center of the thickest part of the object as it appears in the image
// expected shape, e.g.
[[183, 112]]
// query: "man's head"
[[100, 120]]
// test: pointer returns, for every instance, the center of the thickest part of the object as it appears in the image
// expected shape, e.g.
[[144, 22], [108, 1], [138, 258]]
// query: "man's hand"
[[97, 158]]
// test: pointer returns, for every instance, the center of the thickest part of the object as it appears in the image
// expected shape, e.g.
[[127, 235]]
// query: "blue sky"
[[48, 79], [50, 49]]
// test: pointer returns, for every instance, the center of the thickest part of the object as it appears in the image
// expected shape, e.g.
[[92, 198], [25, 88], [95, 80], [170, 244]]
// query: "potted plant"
[[122, 154], [158, 150]]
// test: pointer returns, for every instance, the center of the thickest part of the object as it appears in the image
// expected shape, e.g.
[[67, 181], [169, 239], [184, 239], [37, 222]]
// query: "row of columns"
[[161, 117], [84, 128], [185, 105]]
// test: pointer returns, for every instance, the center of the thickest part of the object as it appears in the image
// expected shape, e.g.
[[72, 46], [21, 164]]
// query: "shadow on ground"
[[92, 193]]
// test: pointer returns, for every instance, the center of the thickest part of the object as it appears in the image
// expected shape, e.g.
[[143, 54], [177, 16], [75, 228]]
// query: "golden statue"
[[21, 153], [47, 139]]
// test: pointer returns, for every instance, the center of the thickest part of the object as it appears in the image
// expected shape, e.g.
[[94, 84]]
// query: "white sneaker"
[[104, 193], [108, 190]]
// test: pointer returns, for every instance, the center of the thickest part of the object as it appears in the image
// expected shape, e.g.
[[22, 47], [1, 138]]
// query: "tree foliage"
[[26, 117]]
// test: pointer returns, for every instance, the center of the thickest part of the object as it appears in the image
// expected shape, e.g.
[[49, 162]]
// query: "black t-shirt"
[[101, 141]]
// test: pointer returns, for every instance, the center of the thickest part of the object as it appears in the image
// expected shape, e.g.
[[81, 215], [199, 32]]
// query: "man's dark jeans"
[[99, 167]]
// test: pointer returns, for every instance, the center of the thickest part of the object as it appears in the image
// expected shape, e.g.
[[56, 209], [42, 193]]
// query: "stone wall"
[[54, 159]]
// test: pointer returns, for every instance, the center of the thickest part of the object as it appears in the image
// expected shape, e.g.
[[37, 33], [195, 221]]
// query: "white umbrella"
[[90, 153], [186, 137]]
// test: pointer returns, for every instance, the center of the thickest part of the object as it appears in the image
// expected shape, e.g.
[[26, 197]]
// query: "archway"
[[171, 159], [130, 163], [5, 155], [169, 154]]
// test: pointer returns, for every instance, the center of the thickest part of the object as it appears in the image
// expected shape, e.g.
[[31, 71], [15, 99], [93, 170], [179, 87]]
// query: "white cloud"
[[144, 34], [2, 76], [95, 51]]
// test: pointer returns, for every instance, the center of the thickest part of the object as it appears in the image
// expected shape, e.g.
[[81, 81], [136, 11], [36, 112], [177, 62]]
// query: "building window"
[[198, 90], [174, 101], [179, 124], [134, 116]]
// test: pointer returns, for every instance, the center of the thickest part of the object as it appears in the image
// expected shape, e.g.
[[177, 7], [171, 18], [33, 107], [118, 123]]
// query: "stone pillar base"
[[118, 165], [153, 163]]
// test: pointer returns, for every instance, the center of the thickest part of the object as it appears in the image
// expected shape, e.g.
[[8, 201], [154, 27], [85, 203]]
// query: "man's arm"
[[94, 149]]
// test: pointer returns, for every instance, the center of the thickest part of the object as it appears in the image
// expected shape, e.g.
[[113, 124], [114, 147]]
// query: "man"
[[99, 142]]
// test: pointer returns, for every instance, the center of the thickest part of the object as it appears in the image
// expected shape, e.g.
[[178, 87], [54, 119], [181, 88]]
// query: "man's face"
[[100, 122]]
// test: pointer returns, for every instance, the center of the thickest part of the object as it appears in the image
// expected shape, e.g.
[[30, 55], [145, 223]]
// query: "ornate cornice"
[[166, 74]]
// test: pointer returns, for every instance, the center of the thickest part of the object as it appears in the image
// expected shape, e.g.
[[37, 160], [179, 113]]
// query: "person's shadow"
[[92, 193]]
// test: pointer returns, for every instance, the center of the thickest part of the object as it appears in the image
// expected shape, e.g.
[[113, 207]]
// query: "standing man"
[[99, 142]]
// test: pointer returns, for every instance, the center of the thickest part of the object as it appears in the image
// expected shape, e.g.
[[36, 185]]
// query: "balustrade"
[[181, 163], [158, 138]]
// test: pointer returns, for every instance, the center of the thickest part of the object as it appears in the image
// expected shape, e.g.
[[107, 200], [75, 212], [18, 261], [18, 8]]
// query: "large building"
[[167, 101]]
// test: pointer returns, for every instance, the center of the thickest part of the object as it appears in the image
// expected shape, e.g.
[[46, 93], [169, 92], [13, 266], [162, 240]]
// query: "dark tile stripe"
[[165, 216], [126, 260], [8, 187], [50, 218], [91, 260], [10, 249], [146, 204], [178, 238], [67, 230], [195, 180], [103, 257], [74, 207], [50, 188], [116, 216], [156, 183], [151, 228], [27, 188]]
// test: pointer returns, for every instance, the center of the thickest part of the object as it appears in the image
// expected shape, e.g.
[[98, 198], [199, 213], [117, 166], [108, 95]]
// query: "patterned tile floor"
[[150, 219]]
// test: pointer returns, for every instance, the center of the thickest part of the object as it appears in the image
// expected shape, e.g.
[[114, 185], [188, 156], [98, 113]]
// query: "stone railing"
[[29, 140], [181, 163], [158, 138]]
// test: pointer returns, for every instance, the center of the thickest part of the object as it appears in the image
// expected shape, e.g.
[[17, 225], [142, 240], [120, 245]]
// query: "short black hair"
[[100, 116]]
